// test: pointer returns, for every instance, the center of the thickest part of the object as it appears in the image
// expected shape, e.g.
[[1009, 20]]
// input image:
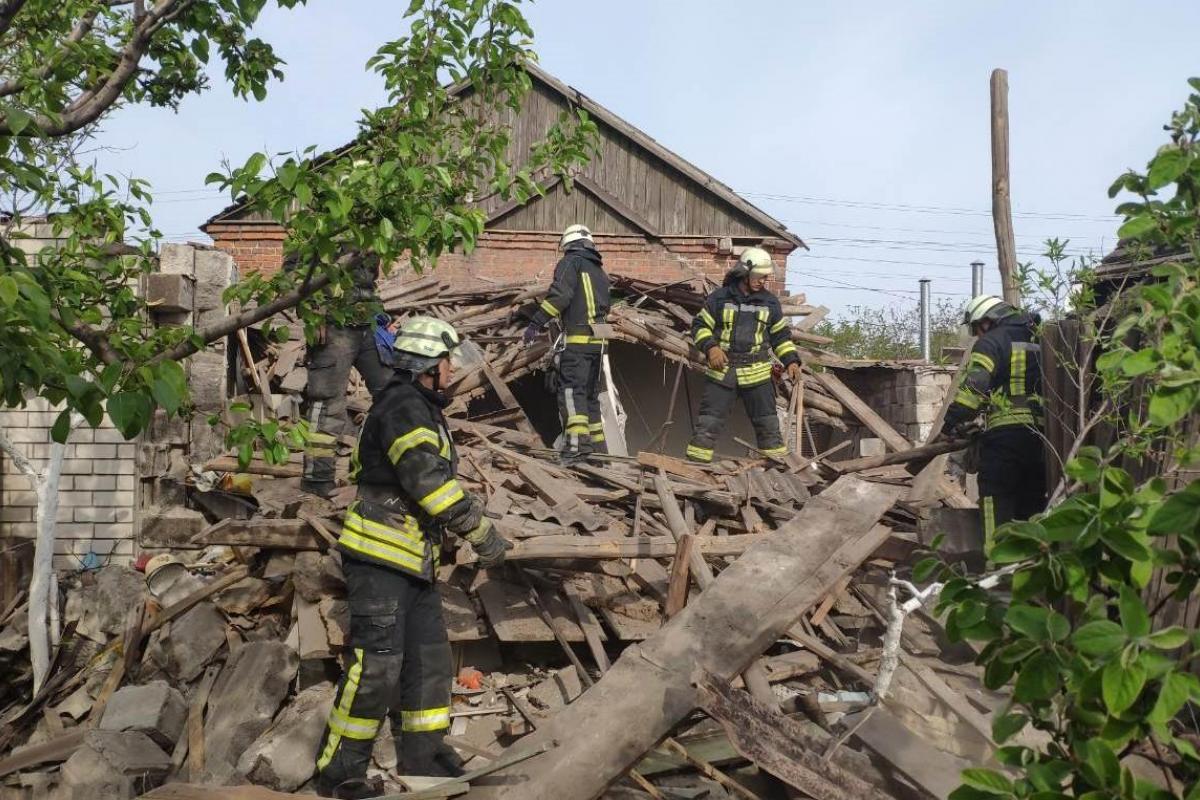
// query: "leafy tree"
[[1070, 634], [72, 327], [891, 333]]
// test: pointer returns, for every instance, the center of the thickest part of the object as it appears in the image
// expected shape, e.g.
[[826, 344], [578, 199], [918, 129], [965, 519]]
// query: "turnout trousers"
[[400, 670], [1012, 477], [715, 404], [324, 401], [579, 385]]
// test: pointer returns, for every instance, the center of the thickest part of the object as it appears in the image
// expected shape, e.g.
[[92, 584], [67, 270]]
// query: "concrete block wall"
[[98, 492], [908, 396]]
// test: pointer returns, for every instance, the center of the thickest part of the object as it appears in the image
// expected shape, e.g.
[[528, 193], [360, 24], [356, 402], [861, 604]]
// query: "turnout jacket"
[[748, 327], [579, 295], [405, 466], [1004, 378]]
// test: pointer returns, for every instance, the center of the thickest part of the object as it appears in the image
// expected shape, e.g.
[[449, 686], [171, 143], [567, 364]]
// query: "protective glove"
[[717, 359], [488, 545], [531, 334]]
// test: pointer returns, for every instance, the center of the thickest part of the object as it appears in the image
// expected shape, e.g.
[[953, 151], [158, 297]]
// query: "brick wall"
[[909, 397], [98, 488], [505, 256]]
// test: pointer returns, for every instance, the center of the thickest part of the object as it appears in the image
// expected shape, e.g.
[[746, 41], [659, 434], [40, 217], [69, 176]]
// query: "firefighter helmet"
[[756, 261], [985, 306], [424, 341], [574, 233]]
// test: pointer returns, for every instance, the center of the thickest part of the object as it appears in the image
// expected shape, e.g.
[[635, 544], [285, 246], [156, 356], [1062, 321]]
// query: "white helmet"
[[756, 261], [985, 306], [574, 233]]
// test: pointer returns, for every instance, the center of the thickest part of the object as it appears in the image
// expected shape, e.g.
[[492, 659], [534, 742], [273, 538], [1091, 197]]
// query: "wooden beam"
[[675, 466], [614, 203], [915, 454], [507, 397], [863, 412], [593, 548], [1006, 244], [649, 690], [282, 534], [677, 589]]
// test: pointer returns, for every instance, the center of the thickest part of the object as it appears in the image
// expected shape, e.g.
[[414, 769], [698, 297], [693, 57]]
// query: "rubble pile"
[[757, 592]]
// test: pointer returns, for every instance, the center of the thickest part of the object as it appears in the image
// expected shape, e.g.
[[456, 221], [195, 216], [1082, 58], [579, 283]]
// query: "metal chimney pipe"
[[976, 278], [925, 344]]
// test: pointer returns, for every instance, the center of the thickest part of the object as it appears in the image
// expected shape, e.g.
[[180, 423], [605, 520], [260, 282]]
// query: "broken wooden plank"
[[587, 547], [863, 412], [235, 575], [933, 770], [255, 467], [675, 466], [507, 398], [280, 534], [53, 751], [913, 454], [780, 745], [514, 620], [648, 691], [677, 590]]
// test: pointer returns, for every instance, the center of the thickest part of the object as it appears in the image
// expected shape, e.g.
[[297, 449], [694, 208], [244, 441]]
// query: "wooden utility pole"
[[1006, 244]]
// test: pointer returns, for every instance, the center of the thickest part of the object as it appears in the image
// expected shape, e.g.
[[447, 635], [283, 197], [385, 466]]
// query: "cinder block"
[[177, 259], [126, 483], [170, 293], [94, 450], [96, 483], [108, 435], [95, 515], [79, 466], [214, 273], [75, 498], [113, 466], [114, 530], [155, 709], [112, 499], [16, 514]]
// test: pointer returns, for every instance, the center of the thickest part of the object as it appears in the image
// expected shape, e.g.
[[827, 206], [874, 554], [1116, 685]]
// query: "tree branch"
[[88, 106], [91, 338], [19, 459], [235, 322], [81, 29], [8, 11]]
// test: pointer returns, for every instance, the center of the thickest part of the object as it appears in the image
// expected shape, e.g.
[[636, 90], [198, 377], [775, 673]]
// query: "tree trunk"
[[43, 565], [650, 688]]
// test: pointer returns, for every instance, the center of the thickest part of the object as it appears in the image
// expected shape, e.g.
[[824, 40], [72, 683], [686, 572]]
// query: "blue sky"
[[864, 126]]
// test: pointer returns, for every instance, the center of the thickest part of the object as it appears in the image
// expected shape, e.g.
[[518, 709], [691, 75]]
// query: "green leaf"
[[1039, 679], [1100, 765], [1174, 692], [986, 780], [1099, 638], [1134, 618], [18, 119], [129, 412], [1012, 550], [1121, 685], [62, 427], [1137, 227], [1169, 164], [9, 291], [1168, 638], [1141, 362], [1180, 513], [1126, 544], [1030, 621], [1006, 726], [1169, 404]]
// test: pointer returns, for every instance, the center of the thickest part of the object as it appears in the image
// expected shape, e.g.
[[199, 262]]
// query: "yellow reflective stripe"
[[583, 338], [707, 318], [549, 308], [598, 437], [987, 507], [701, 335], [968, 398], [429, 719], [785, 348], [596, 426], [728, 318], [1016, 416], [442, 498], [716, 374], [778, 326], [760, 326], [589, 296], [353, 727], [409, 536], [370, 547], [343, 708], [414, 438], [775, 451], [699, 453], [983, 361], [754, 373], [1016, 373]]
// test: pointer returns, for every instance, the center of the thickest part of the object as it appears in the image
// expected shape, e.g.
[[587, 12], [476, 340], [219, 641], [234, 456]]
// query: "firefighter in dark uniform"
[[579, 299], [739, 327], [335, 350], [1004, 383], [405, 468]]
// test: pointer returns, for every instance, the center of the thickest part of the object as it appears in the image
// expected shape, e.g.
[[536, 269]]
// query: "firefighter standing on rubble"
[[579, 298], [738, 328], [1003, 382], [408, 494], [338, 346]]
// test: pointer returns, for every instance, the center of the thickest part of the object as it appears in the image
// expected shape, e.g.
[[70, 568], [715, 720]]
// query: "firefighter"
[[739, 327], [405, 467], [335, 349], [579, 299], [1004, 383]]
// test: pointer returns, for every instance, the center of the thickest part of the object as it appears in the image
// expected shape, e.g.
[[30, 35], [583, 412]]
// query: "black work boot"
[[426, 753], [321, 489], [353, 789]]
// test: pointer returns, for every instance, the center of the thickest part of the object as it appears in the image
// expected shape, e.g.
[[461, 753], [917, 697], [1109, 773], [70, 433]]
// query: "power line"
[[918, 209], [902, 229]]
